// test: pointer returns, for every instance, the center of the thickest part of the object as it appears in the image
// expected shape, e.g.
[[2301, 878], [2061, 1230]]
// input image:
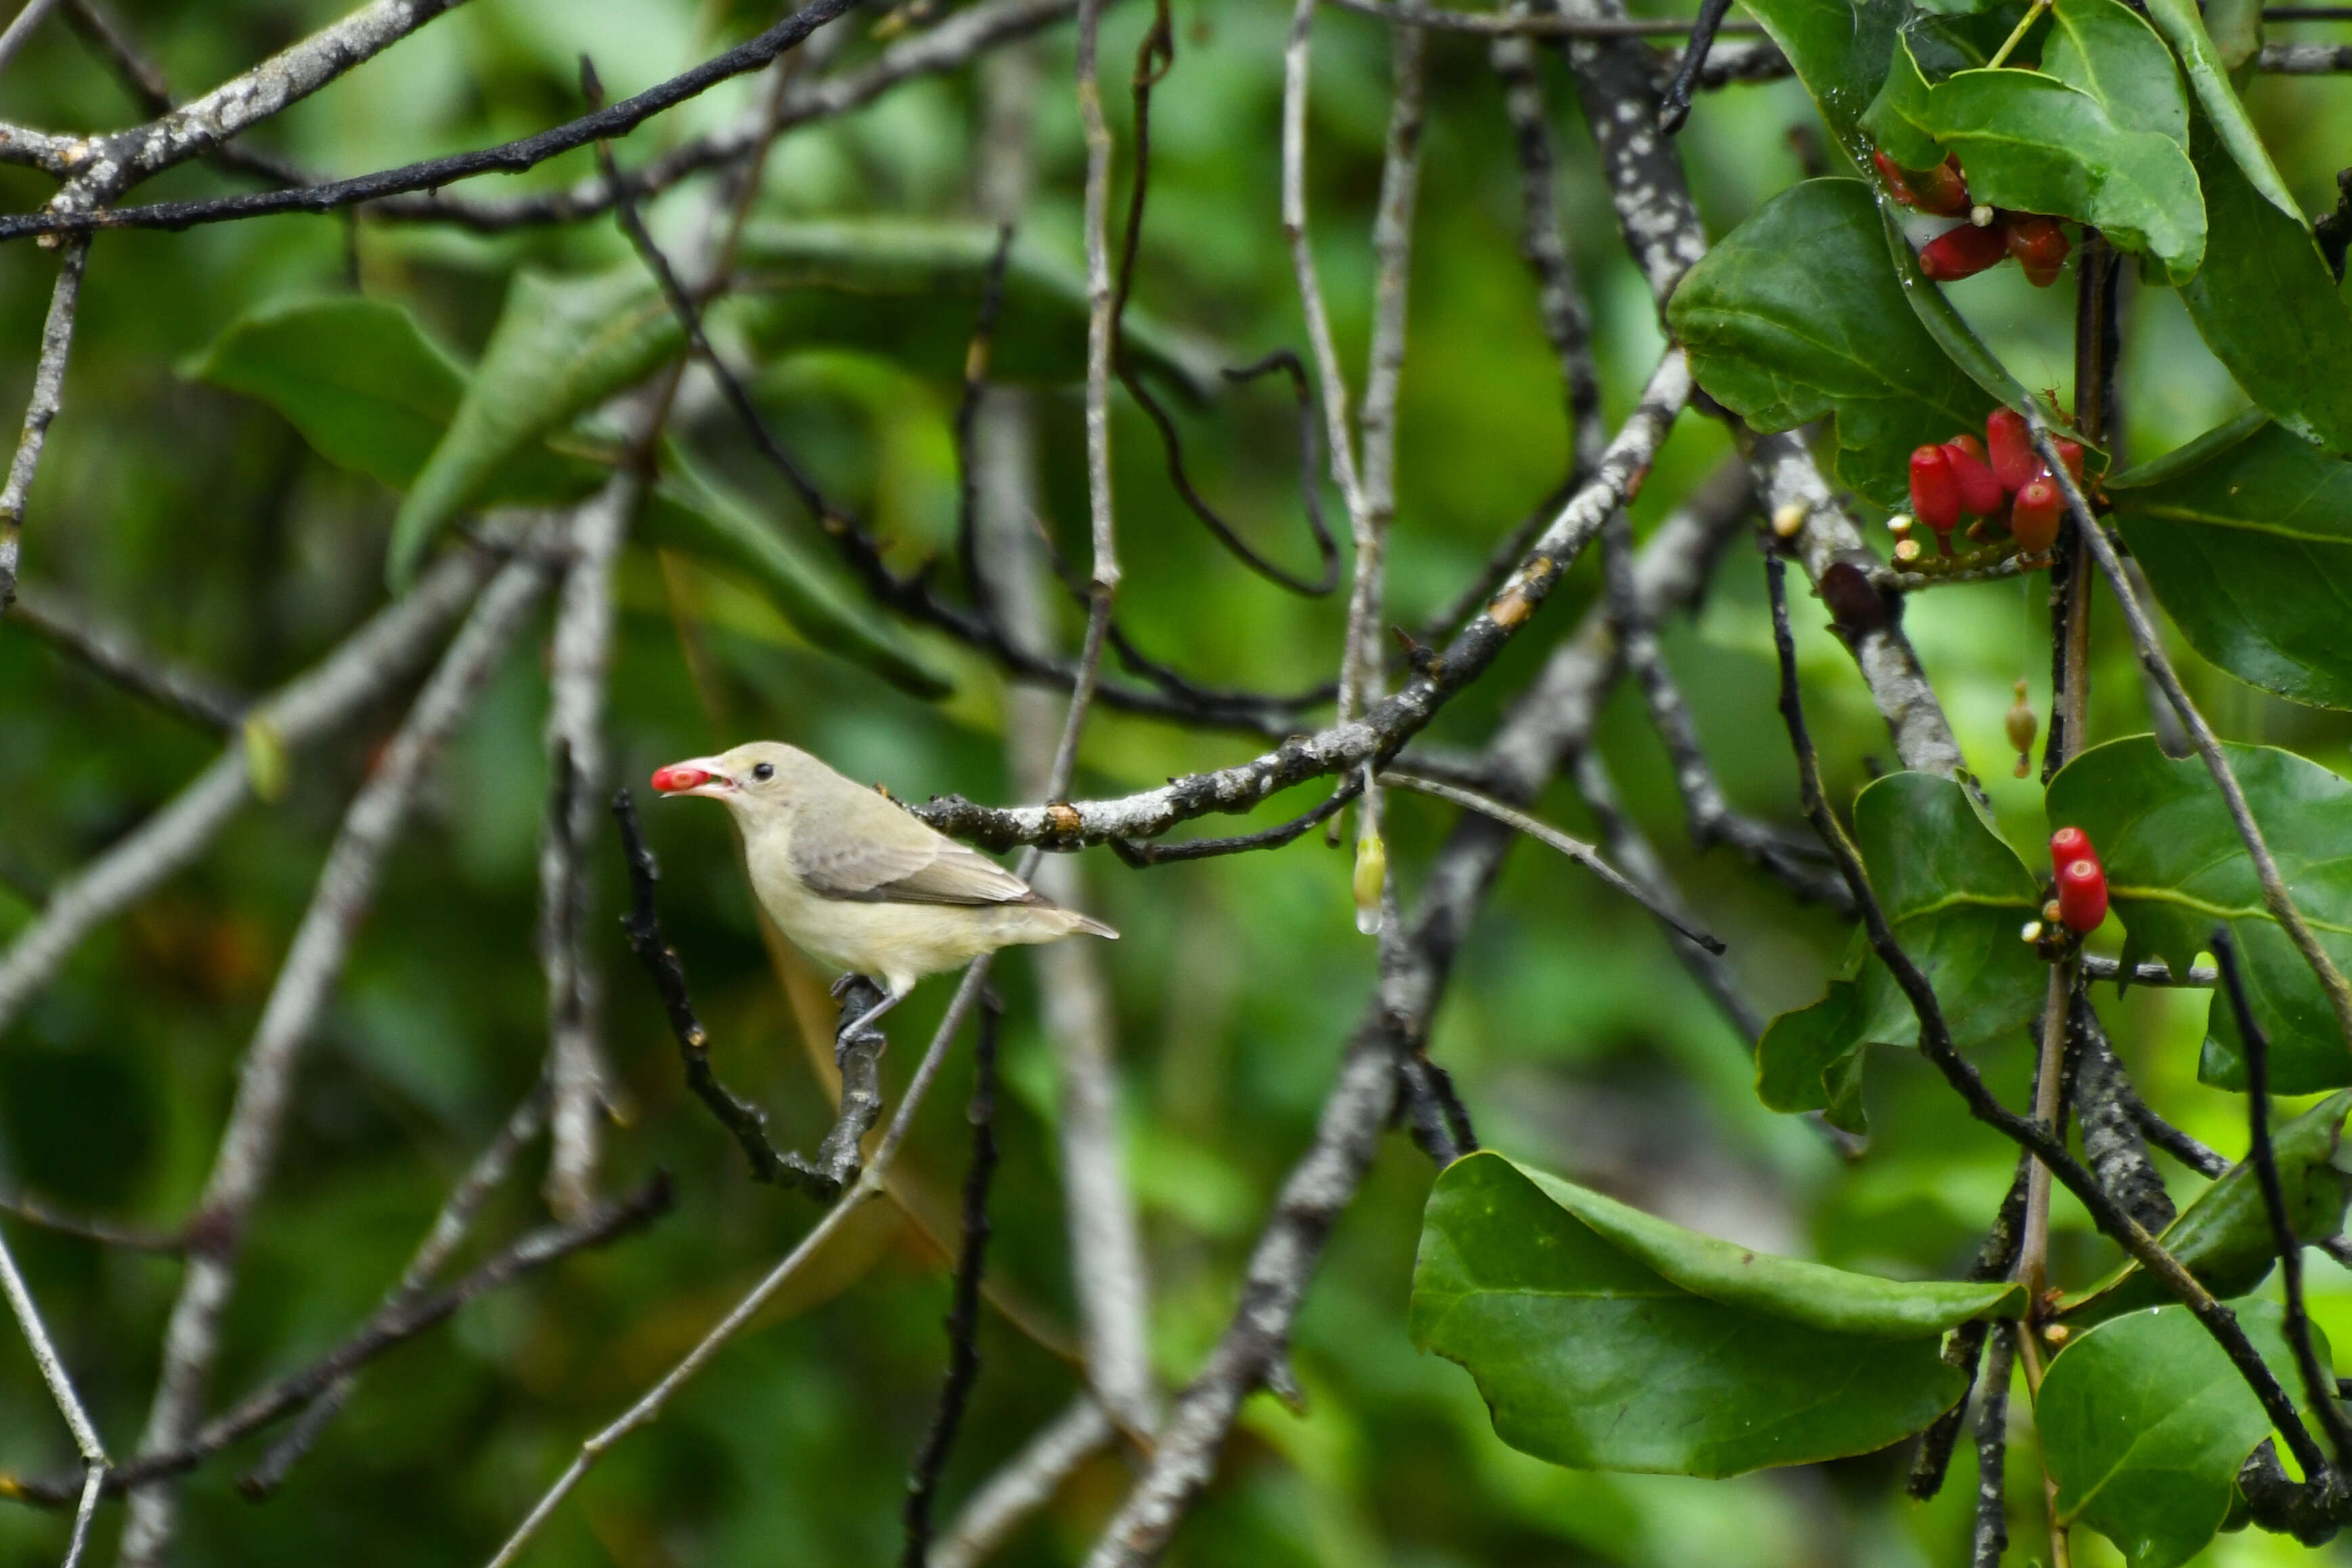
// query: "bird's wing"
[[869, 850]]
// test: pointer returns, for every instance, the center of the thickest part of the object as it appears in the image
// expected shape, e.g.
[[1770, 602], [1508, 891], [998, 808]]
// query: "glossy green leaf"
[[2246, 537], [562, 345], [368, 388], [2175, 868], [1603, 1338], [2143, 1423], [1957, 896], [1796, 314], [2107, 49], [2224, 1235], [695, 515], [2268, 307], [2208, 79], [2033, 142], [911, 291]]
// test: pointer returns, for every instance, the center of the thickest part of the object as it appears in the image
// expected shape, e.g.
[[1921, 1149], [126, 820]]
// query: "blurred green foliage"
[[203, 521]]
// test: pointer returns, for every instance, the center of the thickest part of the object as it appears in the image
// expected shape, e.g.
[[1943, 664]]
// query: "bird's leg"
[[890, 999]]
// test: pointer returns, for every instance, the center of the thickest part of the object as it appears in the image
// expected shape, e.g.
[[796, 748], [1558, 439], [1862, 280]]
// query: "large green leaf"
[[2176, 869], [2107, 49], [911, 291], [1602, 1338], [1955, 895], [562, 345], [1796, 314], [2033, 142], [692, 514], [2143, 1423], [2224, 1237], [369, 388], [2268, 307], [2246, 536], [2208, 79]]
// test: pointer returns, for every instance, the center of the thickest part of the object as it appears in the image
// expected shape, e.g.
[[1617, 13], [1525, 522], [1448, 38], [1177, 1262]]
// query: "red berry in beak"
[[2033, 517], [1980, 494], [2082, 897], [671, 780], [2011, 446], [1935, 492], [1962, 252]]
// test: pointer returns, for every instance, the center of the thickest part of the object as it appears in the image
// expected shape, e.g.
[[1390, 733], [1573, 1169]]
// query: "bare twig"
[[1552, 838], [963, 1313], [371, 662], [49, 394], [389, 1325], [114, 654], [314, 963], [1392, 722]]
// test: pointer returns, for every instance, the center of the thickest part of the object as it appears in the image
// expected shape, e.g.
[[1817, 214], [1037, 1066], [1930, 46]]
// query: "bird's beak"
[[696, 775]]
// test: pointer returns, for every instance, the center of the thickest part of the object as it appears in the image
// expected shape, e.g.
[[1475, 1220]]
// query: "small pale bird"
[[858, 883]]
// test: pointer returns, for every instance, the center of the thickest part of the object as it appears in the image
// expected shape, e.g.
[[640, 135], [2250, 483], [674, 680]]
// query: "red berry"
[[1941, 190], [2069, 845], [2033, 517], [2010, 444], [1897, 185], [1980, 493], [1935, 492], [1961, 252], [2040, 245], [2082, 897]]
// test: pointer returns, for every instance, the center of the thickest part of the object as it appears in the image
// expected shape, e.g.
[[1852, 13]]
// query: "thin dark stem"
[[1675, 107], [837, 1156], [2318, 1381], [1936, 1045], [963, 1313]]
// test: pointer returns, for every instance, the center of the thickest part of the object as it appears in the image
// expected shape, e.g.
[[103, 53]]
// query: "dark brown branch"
[[858, 1056], [391, 1324], [963, 1312], [1936, 1045], [2318, 1381]]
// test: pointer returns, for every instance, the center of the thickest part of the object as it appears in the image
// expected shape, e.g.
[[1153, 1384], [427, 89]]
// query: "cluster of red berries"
[[2001, 479], [2082, 900], [1991, 235]]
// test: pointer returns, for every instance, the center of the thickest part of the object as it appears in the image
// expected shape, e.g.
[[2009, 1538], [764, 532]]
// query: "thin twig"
[[1551, 838], [2318, 1383], [963, 1313]]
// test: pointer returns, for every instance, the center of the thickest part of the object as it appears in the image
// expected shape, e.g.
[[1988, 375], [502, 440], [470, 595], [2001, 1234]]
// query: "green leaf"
[[2034, 144], [1602, 1338], [911, 291], [2246, 536], [1955, 895], [2208, 79], [691, 514], [1796, 314], [562, 345], [2176, 869], [2107, 49], [2224, 1237], [2143, 1423], [2268, 307]]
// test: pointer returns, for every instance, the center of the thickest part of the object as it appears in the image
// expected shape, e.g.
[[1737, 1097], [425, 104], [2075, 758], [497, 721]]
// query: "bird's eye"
[[764, 772]]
